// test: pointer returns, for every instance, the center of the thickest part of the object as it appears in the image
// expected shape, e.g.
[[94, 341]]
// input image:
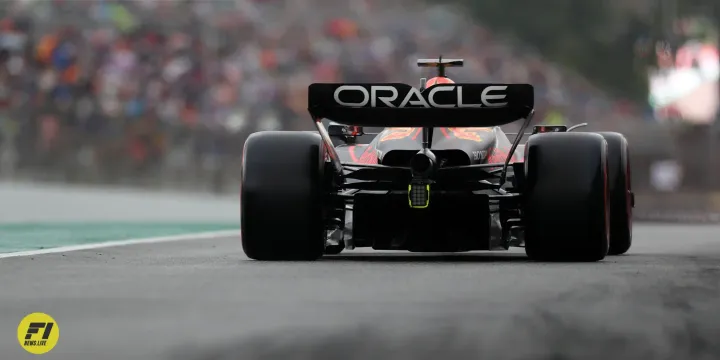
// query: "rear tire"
[[619, 185], [566, 204], [282, 207]]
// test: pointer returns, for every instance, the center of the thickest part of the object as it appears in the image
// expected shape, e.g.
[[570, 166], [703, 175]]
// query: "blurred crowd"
[[164, 92]]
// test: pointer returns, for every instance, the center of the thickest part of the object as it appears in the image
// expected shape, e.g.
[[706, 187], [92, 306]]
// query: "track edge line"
[[126, 242]]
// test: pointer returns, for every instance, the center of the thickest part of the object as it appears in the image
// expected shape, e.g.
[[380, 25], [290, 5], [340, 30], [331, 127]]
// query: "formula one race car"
[[442, 178]]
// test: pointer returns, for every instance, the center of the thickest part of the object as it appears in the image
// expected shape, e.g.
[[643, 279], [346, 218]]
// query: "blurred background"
[[161, 94]]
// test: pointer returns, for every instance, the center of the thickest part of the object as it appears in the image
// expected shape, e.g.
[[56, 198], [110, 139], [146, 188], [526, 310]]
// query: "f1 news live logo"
[[38, 333]]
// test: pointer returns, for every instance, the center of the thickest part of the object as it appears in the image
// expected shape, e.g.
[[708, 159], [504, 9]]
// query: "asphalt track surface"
[[202, 300]]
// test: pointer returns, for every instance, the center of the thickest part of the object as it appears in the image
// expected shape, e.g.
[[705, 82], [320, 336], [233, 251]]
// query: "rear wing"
[[401, 105]]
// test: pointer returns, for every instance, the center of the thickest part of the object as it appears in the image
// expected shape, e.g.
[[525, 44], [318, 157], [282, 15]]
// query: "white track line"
[[106, 244]]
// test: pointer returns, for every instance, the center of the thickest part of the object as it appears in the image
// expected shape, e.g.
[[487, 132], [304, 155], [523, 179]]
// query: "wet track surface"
[[202, 300]]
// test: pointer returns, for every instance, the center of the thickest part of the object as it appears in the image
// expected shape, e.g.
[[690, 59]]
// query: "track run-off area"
[[199, 297]]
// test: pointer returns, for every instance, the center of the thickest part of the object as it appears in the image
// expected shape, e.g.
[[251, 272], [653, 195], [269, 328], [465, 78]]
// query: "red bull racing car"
[[441, 177]]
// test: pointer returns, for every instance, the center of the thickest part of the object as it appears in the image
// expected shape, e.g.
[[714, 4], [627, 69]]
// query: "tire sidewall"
[[283, 196], [566, 200], [620, 192]]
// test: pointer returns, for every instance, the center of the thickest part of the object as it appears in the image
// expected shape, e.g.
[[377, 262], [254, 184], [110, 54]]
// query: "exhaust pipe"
[[423, 164]]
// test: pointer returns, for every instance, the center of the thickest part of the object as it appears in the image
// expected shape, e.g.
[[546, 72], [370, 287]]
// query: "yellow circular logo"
[[38, 333]]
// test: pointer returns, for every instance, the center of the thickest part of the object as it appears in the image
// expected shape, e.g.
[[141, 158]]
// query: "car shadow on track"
[[422, 258]]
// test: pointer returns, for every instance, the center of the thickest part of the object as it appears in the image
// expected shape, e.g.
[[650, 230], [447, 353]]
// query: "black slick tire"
[[619, 184], [282, 194], [566, 210]]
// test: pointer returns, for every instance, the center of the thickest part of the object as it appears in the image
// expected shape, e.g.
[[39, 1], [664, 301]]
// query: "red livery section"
[[369, 156], [498, 155], [362, 154], [480, 145]]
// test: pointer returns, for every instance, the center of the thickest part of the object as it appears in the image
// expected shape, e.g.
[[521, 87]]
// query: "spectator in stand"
[[135, 88]]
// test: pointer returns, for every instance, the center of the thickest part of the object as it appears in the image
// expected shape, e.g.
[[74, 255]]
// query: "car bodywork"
[[455, 147], [447, 179], [458, 146]]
